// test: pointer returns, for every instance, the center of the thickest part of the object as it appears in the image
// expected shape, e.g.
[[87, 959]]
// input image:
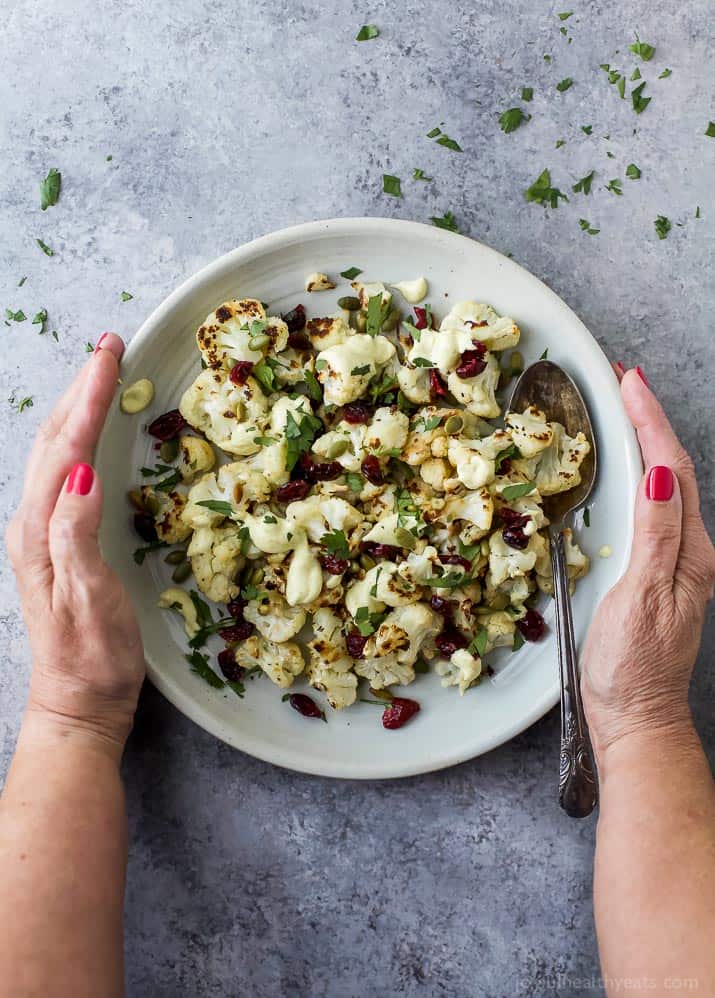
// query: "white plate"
[[449, 728]]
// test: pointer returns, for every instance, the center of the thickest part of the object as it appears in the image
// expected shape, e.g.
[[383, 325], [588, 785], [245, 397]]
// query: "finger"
[[657, 528], [69, 437], [73, 529], [619, 370]]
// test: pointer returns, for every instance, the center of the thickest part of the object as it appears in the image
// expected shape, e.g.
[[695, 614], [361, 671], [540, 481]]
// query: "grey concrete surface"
[[228, 120]]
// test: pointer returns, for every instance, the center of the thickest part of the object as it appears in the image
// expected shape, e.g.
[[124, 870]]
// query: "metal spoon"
[[548, 387]]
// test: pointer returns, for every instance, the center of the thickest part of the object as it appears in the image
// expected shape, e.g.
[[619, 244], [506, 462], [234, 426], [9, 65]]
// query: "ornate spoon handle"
[[578, 791]]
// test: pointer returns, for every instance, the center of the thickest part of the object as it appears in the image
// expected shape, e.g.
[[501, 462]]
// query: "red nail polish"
[[659, 483], [80, 480], [639, 372], [620, 367], [101, 339]]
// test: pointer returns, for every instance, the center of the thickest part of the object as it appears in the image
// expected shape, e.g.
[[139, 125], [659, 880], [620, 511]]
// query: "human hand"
[[88, 661], [643, 641]]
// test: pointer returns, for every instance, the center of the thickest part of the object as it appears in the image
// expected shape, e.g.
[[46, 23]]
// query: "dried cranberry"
[[145, 527], [239, 631], [331, 563], [310, 470], [375, 550], [357, 412], [240, 371], [291, 491], [167, 426], [355, 643], [399, 712], [421, 318], [513, 516], [371, 469], [455, 559], [229, 667], [436, 385], [441, 605], [236, 607], [532, 625], [471, 364], [504, 467], [449, 641], [299, 341], [515, 538], [295, 319], [304, 705]]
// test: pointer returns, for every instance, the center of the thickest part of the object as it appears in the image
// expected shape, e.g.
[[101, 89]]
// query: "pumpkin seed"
[[500, 602], [175, 557], [259, 342], [240, 411], [135, 498], [405, 538], [264, 609], [393, 317], [336, 449], [367, 562], [257, 576], [137, 396], [349, 303], [516, 362], [453, 425], [169, 451], [181, 572], [152, 505], [381, 694]]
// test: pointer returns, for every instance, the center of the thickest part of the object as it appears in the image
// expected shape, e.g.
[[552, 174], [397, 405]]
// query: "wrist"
[[648, 745]]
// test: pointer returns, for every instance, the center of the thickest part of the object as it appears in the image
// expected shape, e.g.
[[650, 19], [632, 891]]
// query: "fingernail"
[[659, 483], [621, 368], [641, 375], [80, 480], [112, 343]]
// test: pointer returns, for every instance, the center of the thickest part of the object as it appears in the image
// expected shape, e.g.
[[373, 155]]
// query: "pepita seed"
[[336, 449], [393, 317], [381, 694], [517, 362], [257, 576], [181, 572], [259, 342], [137, 396], [367, 562], [500, 602], [405, 538], [135, 498], [453, 425], [264, 609], [240, 411], [152, 505], [169, 451], [349, 303], [175, 557]]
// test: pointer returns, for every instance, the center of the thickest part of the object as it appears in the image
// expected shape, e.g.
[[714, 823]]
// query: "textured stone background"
[[228, 120]]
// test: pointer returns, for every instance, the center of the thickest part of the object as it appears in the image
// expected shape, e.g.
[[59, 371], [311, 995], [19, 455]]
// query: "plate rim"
[[230, 260]]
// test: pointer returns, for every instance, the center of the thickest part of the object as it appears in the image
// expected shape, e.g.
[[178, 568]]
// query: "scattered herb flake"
[[420, 174], [547, 58], [527, 93], [662, 226], [18, 316], [632, 172], [587, 129], [336, 543], [45, 248], [710, 130], [299, 436], [621, 87], [478, 645], [560, 142], [447, 221], [517, 491], [614, 186], [50, 188], [367, 32], [359, 371], [642, 49], [586, 226], [635, 75], [88, 347], [639, 102], [140, 554], [40, 319], [21, 282], [391, 185], [565, 15], [697, 212], [518, 640], [564, 84], [314, 390], [665, 74], [200, 666], [545, 354], [216, 506], [444, 140], [351, 273], [434, 133], [587, 517], [510, 119], [583, 186], [125, 296], [542, 192]]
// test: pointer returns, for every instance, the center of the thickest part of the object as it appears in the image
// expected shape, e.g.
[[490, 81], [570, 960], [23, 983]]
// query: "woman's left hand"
[[88, 661]]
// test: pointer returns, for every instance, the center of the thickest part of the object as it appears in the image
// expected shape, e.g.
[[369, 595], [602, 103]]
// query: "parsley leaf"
[[510, 120], [517, 491], [336, 543], [447, 221], [559, 143], [518, 640], [710, 130], [564, 84], [168, 483], [18, 316], [451, 580], [216, 506], [587, 129], [420, 174], [367, 623], [200, 666], [545, 354], [391, 185], [300, 436], [586, 226], [363, 369], [45, 248], [355, 481], [614, 186], [434, 133], [527, 93], [542, 192], [565, 16], [422, 362], [643, 49], [632, 172], [444, 140], [141, 553], [636, 74], [367, 32], [665, 74], [315, 392], [584, 184], [351, 273], [639, 102], [50, 188], [377, 311], [264, 375], [478, 645], [662, 226], [21, 281], [40, 320]]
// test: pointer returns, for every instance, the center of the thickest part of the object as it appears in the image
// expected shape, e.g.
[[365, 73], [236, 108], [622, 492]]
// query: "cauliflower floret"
[[207, 489], [558, 467], [274, 618], [392, 651], [319, 515], [389, 530], [359, 594], [305, 576], [414, 382], [475, 507], [174, 598], [227, 332], [478, 394], [577, 565], [168, 518], [195, 457], [529, 431], [462, 670], [231, 416], [343, 444], [318, 282], [531, 507], [291, 365], [216, 559], [367, 291], [388, 430], [506, 562], [273, 534], [435, 472], [345, 370], [391, 587], [330, 666], [500, 627], [475, 460], [419, 567], [482, 323], [329, 331], [280, 662]]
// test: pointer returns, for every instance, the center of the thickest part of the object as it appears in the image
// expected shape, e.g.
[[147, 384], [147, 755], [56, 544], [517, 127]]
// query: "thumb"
[[73, 544], [657, 526]]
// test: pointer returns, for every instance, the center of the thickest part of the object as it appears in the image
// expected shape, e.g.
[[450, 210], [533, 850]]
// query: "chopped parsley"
[[21, 282], [377, 310], [542, 192], [665, 74], [710, 130], [89, 347], [264, 374], [527, 93], [355, 481], [662, 226], [18, 316], [586, 129], [391, 185], [125, 296], [419, 174], [336, 543], [639, 102], [587, 517], [545, 354], [265, 441], [563, 85], [359, 371], [141, 553], [565, 16], [216, 506], [200, 666], [559, 143], [351, 273], [367, 32], [586, 226], [451, 580], [26, 403], [642, 49], [444, 140], [422, 362], [40, 319], [614, 186], [447, 221], [434, 133], [45, 248], [367, 623], [583, 186], [636, 74], [50, 188], [517, 491], [478, 645], [510, 119], [314, 390], [632, 172], [300, 436], [518, 640]]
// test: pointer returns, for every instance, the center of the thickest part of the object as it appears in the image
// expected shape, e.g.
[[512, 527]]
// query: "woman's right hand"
[[644, 638]]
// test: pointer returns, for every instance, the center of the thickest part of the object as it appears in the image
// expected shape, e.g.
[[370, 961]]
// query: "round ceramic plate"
[[449, 728]]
